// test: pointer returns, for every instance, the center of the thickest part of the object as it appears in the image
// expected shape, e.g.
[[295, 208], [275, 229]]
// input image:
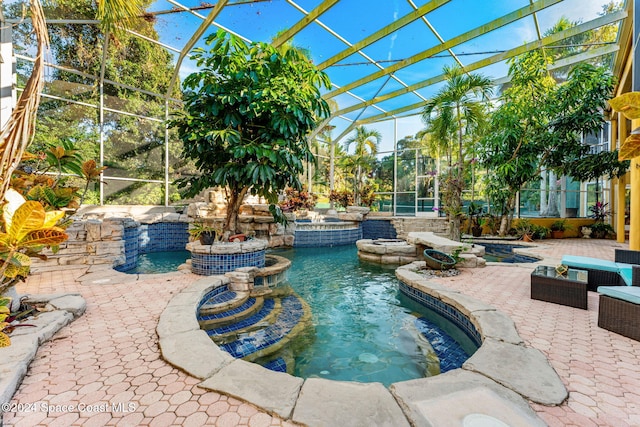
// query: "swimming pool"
[[364, 328], [159, 262]]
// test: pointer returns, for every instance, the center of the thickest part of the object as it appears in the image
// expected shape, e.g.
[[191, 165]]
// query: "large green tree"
[[539, 126], [246, 115], [453, 114]]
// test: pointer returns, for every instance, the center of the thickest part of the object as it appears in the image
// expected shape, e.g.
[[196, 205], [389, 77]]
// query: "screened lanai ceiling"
[[385, 58]]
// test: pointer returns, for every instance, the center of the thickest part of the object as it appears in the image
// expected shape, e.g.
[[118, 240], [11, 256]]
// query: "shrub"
[[342, 198]]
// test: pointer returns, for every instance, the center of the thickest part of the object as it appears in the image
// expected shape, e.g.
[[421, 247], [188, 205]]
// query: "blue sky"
[[356, 19]]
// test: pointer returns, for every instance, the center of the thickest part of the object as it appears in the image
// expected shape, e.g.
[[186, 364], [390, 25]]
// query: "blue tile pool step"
[[260, 319], [243, 307], [274, 332], [223, 301]]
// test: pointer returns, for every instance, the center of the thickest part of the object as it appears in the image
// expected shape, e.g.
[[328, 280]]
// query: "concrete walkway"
[[106, 367]]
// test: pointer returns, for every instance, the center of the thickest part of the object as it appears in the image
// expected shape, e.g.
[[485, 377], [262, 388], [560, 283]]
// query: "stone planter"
[[221, 258], [438, 260]]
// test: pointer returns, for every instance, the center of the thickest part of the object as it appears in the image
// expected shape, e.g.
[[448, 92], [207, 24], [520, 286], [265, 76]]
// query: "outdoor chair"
[[619, 309], [604, 272]]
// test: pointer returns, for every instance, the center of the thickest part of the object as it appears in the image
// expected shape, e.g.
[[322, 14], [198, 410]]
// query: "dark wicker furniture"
[[619, 316], [549, 286], [627, 256], [599, 277]]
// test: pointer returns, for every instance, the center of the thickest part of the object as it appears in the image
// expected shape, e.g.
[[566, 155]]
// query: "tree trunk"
[[543, 191], [507, 216], [19, 129], [356, 195], [234, 201], [454, 228], [552, 204]]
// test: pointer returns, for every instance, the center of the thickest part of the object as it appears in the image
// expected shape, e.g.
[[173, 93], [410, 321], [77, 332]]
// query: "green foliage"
[[524, 226], [367, 195], [474, 211], [199, 228], [64, 158], [591, 167], [599, 211], [560, 225], [540, 231], [539, 124], [133, 147], [453, 114], [45, 177], [278, 216], [363, 160], [26, 229], [601, 229], [246, 114]]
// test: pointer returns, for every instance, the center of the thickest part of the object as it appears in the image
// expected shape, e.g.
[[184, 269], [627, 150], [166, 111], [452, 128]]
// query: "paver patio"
[[110, 355]]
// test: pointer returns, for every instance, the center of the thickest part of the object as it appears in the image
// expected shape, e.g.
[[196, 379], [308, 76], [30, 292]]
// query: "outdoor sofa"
[[618, 283], [604, 272]]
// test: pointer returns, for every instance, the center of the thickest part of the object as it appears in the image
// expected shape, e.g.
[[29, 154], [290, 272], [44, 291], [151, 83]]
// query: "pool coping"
[[498, 380]]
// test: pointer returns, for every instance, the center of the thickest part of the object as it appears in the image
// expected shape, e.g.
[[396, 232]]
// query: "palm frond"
[[116, 15]]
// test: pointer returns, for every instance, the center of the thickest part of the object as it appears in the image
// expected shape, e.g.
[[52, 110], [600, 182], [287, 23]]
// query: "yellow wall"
[[573, 224]]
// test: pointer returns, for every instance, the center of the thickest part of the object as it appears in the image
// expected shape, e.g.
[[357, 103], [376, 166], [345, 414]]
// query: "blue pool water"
[[364, 328], [498, 252], [159, 262]]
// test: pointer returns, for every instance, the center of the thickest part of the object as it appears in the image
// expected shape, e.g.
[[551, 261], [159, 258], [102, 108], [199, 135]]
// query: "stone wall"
[[90, 242], [96, 235], [406, 225], [254, 220]]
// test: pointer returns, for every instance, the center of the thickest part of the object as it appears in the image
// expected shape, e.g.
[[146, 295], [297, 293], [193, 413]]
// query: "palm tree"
[[116, 15], [456, 108], [362, 160]]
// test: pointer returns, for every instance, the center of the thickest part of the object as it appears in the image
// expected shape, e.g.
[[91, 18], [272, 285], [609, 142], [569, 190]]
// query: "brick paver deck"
[[110, 355]]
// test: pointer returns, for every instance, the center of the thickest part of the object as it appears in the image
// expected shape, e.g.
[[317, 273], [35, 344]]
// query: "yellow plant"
[[26, 229], [5, 303]]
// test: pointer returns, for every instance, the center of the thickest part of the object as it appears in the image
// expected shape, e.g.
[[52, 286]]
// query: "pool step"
[[230, 314], [292, 319], [222, 334], [223, 301]]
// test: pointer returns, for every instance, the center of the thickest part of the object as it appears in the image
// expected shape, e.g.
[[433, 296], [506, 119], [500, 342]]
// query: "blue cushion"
[[625, 293], [626, 273], [592, 263]]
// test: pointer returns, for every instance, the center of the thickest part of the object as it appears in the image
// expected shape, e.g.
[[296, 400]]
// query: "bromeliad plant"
[[26, 229]]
